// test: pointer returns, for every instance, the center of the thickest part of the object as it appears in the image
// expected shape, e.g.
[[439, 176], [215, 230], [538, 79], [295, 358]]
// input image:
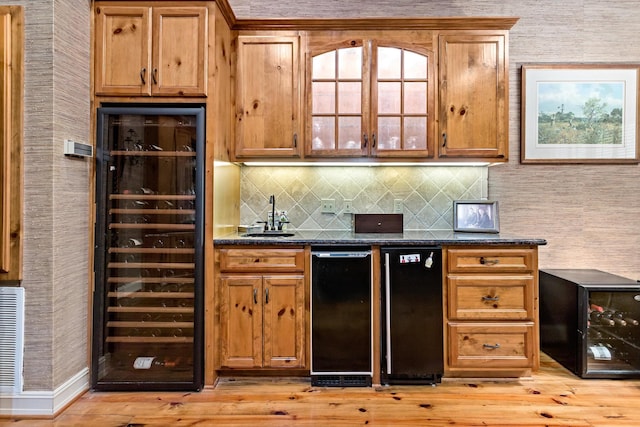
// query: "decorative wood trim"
[[227, 13], [327, 24], [5, 139], [11, 68]]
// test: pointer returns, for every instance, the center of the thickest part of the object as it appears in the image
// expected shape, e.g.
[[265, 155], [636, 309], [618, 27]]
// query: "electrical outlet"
[[328, 206], [348, 206], [397, 206]]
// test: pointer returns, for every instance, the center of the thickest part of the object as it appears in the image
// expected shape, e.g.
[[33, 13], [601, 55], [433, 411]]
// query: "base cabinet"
[[262, 314], [491, 312]]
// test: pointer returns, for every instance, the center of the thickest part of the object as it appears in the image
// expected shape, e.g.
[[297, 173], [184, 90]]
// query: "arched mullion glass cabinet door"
[[401, 102], [339, 113]]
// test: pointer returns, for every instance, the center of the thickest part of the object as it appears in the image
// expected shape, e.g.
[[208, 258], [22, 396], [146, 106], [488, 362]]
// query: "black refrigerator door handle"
[[387, 290]]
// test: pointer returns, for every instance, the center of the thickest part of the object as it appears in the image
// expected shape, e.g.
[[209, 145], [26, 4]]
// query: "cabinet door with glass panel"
[[370, 98]]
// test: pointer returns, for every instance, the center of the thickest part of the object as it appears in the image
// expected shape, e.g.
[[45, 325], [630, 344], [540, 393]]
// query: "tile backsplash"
[[427, 193]]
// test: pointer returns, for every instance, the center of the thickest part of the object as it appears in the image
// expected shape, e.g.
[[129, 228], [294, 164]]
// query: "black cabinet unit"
[[341, 317], [589, 322], [147, 313], [412, 338]]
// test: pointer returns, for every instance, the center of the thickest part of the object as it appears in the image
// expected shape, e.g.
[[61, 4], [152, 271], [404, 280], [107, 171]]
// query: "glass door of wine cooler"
[[613, 333], [148, 249]]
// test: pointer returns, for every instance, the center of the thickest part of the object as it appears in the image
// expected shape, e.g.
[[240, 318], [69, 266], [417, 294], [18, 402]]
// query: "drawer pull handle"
[[491, 347], [266, 298], [485, 261], [255, 295], [490, 298]]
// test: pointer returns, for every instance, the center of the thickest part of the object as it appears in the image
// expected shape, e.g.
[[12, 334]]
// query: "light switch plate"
[[348, 206]]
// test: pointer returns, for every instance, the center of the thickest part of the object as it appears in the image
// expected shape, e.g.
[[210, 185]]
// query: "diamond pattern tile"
[[427, 193]]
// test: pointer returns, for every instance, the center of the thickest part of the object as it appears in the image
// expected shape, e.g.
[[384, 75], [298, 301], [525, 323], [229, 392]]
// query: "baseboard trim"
[[45, 403]]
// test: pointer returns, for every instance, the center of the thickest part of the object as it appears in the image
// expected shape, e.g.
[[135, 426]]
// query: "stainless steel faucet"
[[272, 200]]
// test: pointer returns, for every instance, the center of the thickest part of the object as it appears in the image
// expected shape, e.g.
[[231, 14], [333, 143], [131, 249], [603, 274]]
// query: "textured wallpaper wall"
[[57, 208], [426, 193]]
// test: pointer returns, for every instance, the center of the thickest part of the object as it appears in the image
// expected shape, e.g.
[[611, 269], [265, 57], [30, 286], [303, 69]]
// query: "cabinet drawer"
[[487, 345], [490, 260], [262, 260], [490, 297]]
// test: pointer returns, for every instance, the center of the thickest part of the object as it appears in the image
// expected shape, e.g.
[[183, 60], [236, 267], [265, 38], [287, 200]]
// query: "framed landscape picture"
[[579, 113]]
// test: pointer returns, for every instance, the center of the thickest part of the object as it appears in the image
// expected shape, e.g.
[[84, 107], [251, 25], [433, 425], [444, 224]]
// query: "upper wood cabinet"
[[474, 96], [268, 97], [150, 51], [369, 98]]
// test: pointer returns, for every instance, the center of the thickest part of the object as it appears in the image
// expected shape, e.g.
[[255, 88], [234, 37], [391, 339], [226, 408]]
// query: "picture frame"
[[476, 216], [579, 113]]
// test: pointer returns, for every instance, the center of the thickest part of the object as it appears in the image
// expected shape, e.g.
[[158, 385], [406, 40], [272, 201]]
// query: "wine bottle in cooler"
[[597, 318], [617, 320]]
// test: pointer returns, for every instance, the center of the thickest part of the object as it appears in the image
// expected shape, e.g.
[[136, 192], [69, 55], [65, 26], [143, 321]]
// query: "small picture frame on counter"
[[476, 216]]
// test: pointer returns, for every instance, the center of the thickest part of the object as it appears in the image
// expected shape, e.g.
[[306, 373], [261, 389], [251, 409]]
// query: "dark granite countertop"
[[408, 238]]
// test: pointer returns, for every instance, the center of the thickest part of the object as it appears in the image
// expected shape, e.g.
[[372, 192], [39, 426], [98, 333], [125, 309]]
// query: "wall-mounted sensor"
[[77, 149]]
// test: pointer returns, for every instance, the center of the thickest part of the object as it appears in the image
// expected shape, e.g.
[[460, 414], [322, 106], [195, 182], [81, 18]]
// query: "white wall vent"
[[11, 339], [77, 149]]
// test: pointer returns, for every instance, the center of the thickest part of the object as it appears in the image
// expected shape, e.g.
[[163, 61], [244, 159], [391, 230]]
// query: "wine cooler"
[[589, 322], [147, 313]]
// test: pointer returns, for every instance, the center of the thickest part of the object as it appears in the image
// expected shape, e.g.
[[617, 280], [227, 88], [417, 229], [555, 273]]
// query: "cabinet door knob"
[[491, 346], [255, 295], [444, 139], [366, 139], [266, 296], [485, 261], [154, 76], [143, 73]]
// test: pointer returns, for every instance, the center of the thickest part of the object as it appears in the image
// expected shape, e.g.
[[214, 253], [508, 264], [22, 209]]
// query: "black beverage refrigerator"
[[148, 296], [412, 336], [341, 317], [589, 322]]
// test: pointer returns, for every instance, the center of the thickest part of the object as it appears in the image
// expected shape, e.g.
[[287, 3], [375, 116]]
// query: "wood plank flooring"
[[552, 397]]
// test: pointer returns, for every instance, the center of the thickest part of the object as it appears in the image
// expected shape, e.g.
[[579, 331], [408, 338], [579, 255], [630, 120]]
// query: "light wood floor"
[[553, 397]]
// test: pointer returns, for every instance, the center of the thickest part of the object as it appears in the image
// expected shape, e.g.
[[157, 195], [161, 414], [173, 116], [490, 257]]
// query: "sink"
[[270, 233]]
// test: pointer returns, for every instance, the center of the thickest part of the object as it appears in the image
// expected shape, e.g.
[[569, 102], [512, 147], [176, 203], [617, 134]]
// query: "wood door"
[[240, 321], [268, 97], [123, 53], [491, 345], [473, 96], [258, 260], [490, 297], [179, 51], [284, 331]]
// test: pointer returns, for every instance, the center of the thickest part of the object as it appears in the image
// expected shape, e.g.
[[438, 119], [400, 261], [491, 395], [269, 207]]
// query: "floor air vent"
[[341, 380], [11, 339]]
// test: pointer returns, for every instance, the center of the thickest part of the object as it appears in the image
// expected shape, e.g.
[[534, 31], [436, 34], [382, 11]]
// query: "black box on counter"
[[378, 223]]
